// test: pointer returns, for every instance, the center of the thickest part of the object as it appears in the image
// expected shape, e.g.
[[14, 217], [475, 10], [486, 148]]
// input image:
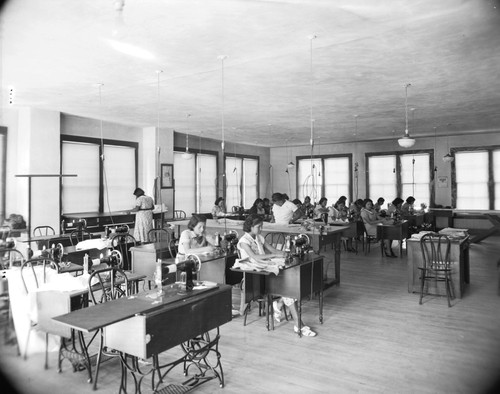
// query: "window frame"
[[100, 143], [242, 157], [399, 185], [3, 174], [349, 156], [491, 179], [178, 149]]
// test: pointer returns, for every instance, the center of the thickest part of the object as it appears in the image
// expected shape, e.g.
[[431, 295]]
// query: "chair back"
[[122, 243], [179, 214], [108, 284], [40, 231], [158, 235], [39, 276], [10, 258], [276, 240], [435, 251], [79, 235]]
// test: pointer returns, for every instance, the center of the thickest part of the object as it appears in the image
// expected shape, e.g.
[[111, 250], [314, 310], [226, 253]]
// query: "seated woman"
[[378, 205], [308, 207], [371, 219], [300, 206], [258, 207], [219, 208], [340, 209], [267, 205], [320, 209], [407, 208], [193, 240], [355, 209], [394, 209], [252, 245]]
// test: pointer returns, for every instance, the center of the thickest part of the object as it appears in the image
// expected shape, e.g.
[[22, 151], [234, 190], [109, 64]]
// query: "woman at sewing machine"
[[194, 240], [253, 246]]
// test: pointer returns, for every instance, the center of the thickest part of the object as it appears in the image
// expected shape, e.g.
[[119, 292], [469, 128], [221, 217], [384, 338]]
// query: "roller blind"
[[337, 178], [118, 178], [80, 193], [472, 180], [382, 177]]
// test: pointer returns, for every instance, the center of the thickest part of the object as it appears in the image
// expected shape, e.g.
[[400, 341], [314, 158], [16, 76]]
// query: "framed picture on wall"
[[442, 181], [167, 176]]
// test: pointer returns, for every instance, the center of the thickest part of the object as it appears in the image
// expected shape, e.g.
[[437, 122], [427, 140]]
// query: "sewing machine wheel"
[[115, 254], [58, 253], [196, 260], [234, 232], [308, 240]]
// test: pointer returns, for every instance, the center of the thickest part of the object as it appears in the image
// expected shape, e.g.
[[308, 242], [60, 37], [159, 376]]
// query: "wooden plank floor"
[[376, 338]]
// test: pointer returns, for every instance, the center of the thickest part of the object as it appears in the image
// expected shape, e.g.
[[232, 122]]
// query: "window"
[[195, 182], [400, 175], [99, 186], [3, 168], [328, 176], [242, 181], [476, 178]]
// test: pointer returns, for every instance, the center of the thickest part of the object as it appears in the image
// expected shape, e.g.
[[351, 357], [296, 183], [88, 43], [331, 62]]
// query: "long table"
[[330, 236], [147, 324], [459, 257]]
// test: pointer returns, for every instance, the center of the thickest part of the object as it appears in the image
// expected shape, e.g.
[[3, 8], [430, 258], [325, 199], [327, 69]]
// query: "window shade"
[[185, 177], [472, 180], [206, 182], [309, 180], [337, 178], [382, 177], [80, 194]]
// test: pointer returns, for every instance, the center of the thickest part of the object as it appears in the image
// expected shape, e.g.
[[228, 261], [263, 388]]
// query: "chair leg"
[[46, 350], [25, 355], [422, 282], [448, 291]]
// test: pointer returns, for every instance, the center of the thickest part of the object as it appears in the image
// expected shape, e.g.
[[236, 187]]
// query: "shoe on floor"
[[235, 312], [306, 331]]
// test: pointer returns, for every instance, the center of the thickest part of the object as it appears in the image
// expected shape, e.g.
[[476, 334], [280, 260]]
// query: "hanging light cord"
[[406, 108], [156, 183], [222, 58], [313, 178], [105, 178]]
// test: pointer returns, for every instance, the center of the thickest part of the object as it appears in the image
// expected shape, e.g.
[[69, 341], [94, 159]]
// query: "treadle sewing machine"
[[145, 325]]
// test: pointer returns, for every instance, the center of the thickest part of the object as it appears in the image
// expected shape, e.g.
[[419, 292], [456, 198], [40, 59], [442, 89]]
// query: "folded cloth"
[[248, 265]]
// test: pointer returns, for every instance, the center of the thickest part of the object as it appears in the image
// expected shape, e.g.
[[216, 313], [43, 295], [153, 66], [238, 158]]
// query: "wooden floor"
[[376, 338]]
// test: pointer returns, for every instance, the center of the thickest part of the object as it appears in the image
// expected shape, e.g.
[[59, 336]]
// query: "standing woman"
[[144, 206]]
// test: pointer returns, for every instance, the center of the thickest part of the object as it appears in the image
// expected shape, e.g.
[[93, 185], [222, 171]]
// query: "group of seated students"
[[251, 245]]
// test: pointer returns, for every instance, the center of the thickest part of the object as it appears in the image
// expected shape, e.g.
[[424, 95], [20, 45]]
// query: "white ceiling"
[[54, 52]]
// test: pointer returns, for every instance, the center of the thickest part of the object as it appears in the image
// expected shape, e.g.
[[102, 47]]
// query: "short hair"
[[410, 200], [307, 198], [251, 221], [359, 201], [366, 201], [264, 200], [342, 198], [322, 199], [297, 202], [397, 201], [195, 219], [138, 192], [277, 197], [381, 200], [218, 200]]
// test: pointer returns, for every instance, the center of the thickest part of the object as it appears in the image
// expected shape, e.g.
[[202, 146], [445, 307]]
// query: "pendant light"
[[406, 141], [448, 158], [435, 148], [187, 155], [290, 165]]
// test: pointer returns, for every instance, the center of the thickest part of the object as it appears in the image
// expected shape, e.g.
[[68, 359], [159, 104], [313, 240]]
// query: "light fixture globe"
[[187, 155], [448, 158], [291, 165], [406, 141]]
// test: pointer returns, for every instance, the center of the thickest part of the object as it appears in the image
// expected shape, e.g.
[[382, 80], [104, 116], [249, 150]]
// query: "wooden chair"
[[79, 235], [158, 235], [10, 257], [34, 274], [436, 265], [42, 231], [276, 240], [367, 240], [179, 214]]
